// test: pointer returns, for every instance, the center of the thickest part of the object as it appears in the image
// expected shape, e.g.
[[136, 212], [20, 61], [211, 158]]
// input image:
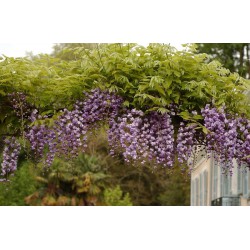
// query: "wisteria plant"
[[157, 104]]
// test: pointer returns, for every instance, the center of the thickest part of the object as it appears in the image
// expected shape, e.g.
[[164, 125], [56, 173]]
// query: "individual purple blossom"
[[34, 115]]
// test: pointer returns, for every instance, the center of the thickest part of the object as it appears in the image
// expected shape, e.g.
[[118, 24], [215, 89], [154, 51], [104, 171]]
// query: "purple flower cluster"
[[20, 105], [99, 106], [70, 130], [68, 136], [140, 137], [124, 134], [72, 127], [229, 152], [185, 142], [214, 121], [41, 137], [223, 137], [242, 146], [143, 137], [161, 141], [10, 156], [64, 138], [38, 138]]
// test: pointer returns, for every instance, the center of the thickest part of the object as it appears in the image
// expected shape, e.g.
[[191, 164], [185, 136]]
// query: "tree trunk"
[[241, 60], [248, 60]]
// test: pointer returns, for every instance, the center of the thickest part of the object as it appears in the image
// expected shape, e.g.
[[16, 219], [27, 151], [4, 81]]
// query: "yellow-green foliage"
[[77, 182], [22, 184], [115, 197]]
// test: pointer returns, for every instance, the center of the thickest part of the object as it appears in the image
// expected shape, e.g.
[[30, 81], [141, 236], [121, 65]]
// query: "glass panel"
[[212, 180], [230, 184], [197, 192], [201, 189], [221, 185], [226, 184], [239, 180], [205, 188], [230, 201], [248, 193], [192, 193], [245, 180], [215, 182]]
